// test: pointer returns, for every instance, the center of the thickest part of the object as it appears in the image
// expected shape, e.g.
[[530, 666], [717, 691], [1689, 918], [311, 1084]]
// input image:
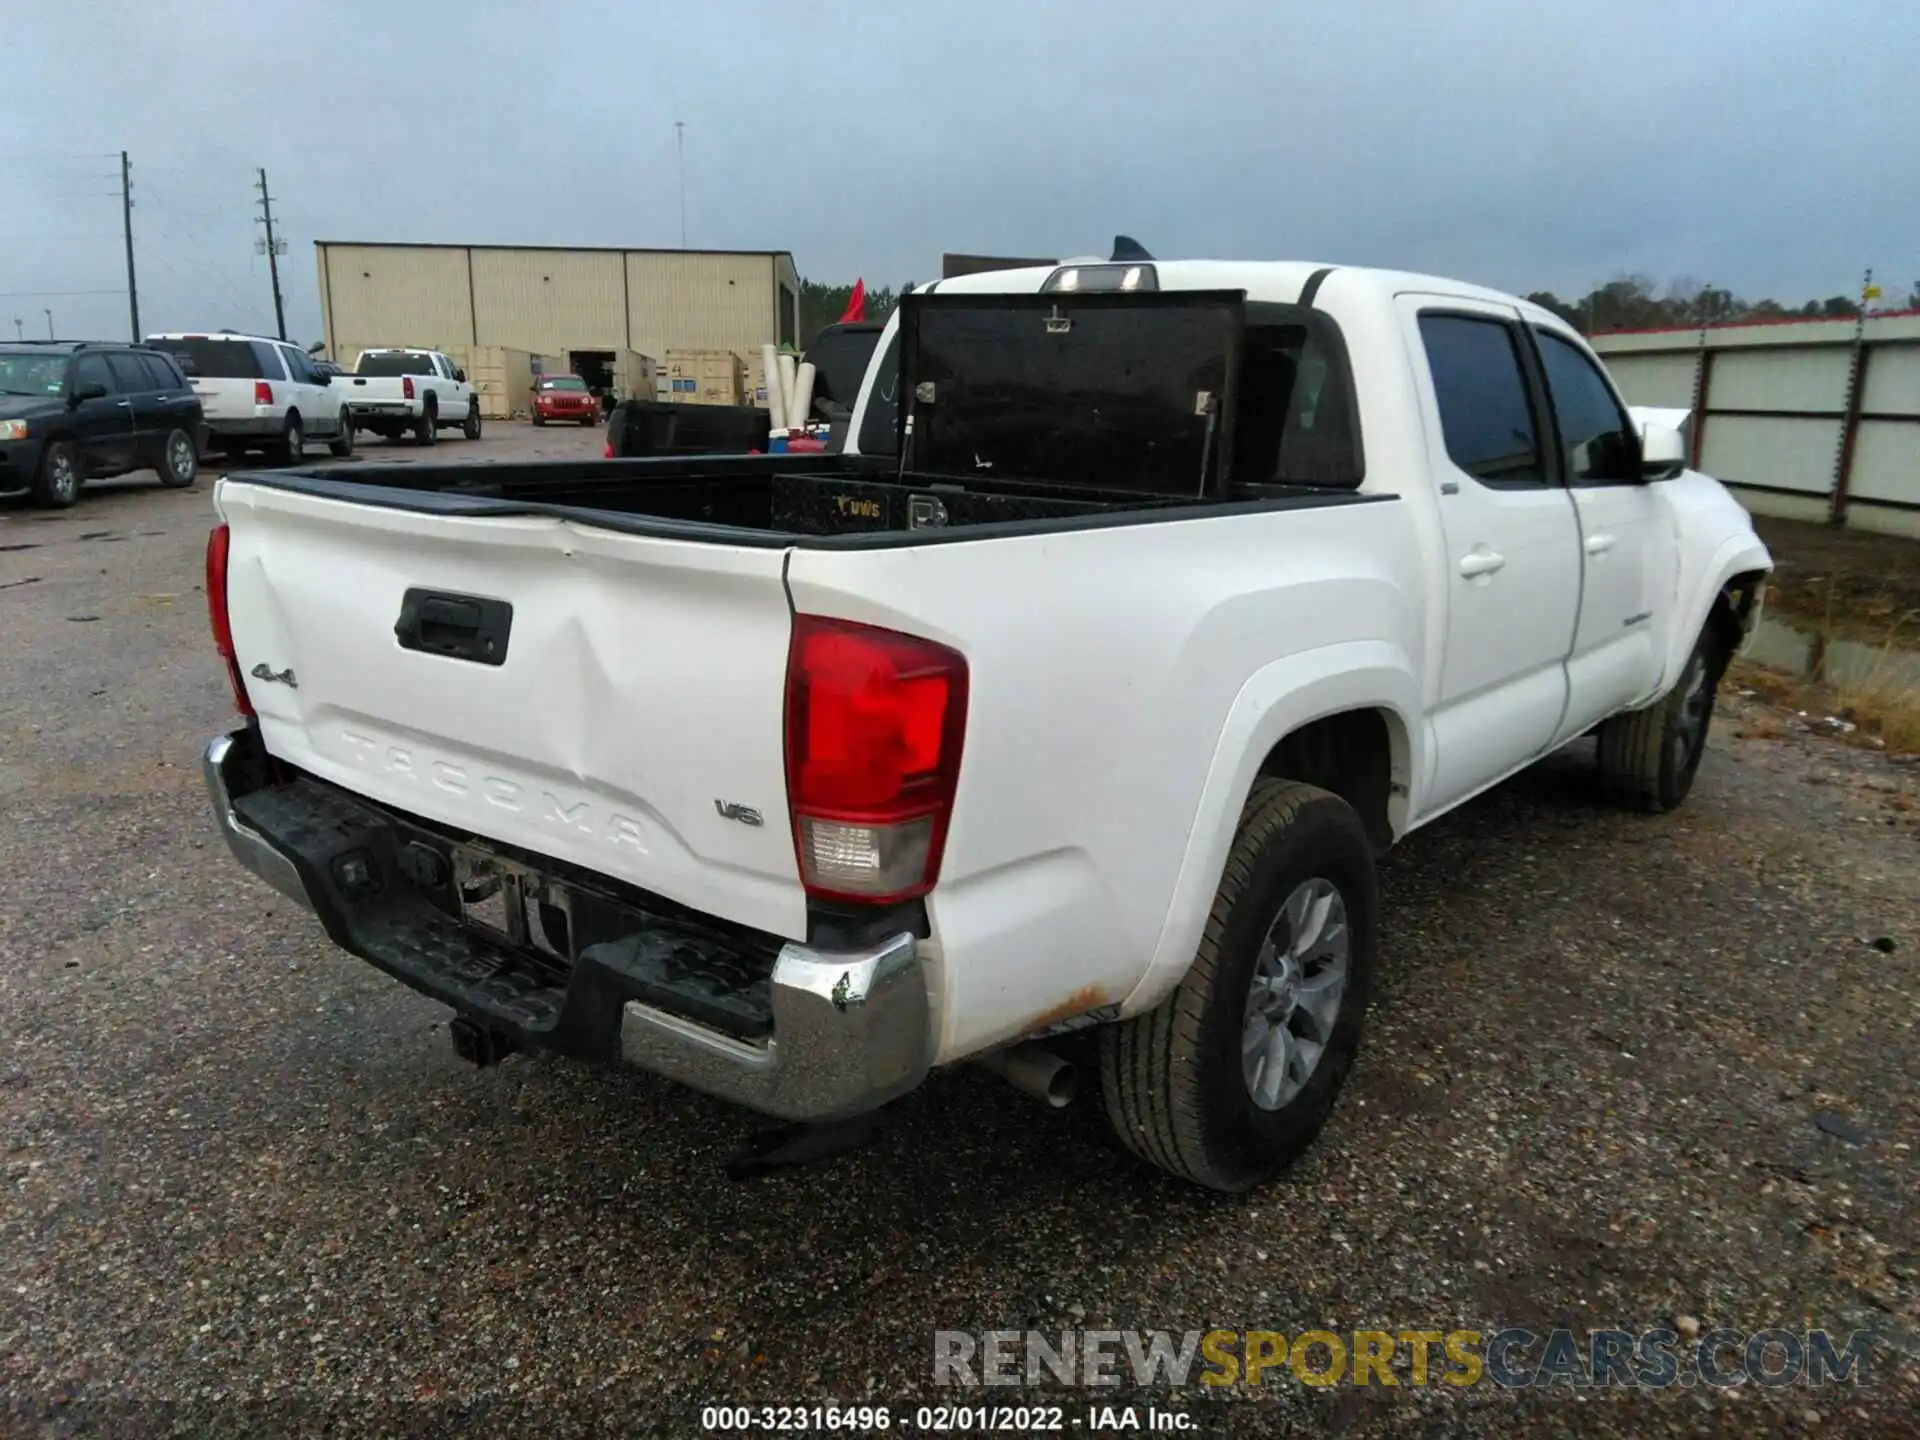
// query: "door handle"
[[1481, 562], [123, 404], [1599, 544]]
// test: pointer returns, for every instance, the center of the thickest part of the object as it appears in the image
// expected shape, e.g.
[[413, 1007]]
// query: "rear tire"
[[1231, 1078], [293, 442], [179, 463], [426, 430], [471, 428], [57, 483], [1649, 757], [341, 446]]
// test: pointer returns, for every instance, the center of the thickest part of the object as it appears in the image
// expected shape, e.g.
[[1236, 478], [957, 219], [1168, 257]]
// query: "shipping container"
[[634, 375], [705, 377], [499, 374]]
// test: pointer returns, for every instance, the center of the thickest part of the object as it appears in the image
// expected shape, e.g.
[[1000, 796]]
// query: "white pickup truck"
[[395, 392], [1147, 605]]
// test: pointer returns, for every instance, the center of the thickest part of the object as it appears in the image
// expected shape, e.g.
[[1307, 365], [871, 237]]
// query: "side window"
[[269, 358], [1296, 421], [1481, 389], [129, 375], [161, 374], [299, 366], [1597, 438], [92, 370]]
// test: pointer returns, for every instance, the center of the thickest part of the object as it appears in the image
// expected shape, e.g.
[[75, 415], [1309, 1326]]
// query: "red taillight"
[[262, 393], [406, 386], [217, 544], [874, 724], [608, 455]]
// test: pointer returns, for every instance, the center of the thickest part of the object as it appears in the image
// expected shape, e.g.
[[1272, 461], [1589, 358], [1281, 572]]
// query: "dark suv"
[[73, 411]]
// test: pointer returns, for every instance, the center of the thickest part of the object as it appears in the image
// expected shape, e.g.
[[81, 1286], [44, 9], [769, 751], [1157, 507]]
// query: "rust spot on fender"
[[1087, 997]]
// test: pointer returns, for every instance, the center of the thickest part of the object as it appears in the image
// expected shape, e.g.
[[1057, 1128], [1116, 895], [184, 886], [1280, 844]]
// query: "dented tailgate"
[[625, 715]]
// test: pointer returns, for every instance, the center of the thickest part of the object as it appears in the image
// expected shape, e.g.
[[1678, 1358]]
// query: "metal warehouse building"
[[557, 301], [1806, 419]]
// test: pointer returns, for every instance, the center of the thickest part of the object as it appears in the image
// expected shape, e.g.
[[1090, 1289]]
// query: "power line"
[[50, 294]]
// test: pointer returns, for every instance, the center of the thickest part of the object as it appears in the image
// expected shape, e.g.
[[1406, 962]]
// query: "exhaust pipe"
[[1034, 1068]]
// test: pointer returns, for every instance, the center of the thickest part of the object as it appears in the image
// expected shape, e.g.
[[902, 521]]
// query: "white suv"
[[260, 394]]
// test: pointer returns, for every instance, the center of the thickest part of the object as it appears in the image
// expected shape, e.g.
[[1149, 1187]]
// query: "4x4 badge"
[[264, 671]]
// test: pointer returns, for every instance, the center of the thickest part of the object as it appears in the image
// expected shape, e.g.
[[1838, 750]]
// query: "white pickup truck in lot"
[[1147, 606], [395, 392]]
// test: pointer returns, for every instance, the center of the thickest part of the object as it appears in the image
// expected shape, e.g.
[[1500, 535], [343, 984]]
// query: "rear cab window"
[[390, 363], [1295, 421]]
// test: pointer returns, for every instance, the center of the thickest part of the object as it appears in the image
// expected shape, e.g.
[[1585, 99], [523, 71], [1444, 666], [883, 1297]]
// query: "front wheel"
[[1649, 757], [1231, 1078], [57, 484], [471, 427], [341, 446], [179, 460]]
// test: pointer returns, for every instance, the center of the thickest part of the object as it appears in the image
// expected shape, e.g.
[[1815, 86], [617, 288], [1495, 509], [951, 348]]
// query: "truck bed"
[[839, 501]]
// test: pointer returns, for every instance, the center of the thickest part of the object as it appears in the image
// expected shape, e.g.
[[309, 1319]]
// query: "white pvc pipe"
[[770, 372], [802, 396], [787, 382]]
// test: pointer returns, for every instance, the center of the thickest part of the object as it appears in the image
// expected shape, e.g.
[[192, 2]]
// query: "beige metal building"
[[585, 308]]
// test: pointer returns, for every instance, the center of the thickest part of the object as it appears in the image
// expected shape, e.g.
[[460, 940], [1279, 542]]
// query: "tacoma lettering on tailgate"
[[568, 813]]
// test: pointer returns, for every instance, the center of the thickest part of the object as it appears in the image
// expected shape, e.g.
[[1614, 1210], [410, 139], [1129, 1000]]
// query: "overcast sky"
[[1770, 149]]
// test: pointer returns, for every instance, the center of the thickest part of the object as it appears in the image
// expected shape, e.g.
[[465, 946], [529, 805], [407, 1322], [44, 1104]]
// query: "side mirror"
[[461, 376], [89, 390], [1663, 451]]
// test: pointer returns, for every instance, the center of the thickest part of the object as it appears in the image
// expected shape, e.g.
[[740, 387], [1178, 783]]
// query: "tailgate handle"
[[460, 627]]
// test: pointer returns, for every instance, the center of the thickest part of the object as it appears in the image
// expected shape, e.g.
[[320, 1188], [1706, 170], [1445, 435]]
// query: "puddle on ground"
[[1812, 654]]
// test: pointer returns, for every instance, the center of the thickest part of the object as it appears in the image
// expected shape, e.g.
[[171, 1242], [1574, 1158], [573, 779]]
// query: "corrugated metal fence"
[[1811, 419]]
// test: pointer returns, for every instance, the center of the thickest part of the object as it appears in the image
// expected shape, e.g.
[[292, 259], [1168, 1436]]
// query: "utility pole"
[[273, 256], [126, 225], [19, 328], [49, 324], [680, 155]]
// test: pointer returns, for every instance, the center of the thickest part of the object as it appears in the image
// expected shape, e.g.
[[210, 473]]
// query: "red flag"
[[856, 304]]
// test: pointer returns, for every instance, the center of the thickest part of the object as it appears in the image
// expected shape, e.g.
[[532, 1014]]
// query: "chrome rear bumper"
[[850, 1030]]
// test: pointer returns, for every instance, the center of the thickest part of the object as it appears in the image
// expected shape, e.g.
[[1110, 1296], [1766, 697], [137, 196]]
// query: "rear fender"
[[1276, 701]]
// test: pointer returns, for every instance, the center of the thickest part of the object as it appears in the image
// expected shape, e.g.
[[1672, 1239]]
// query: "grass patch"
[[1882, 702], [1886, 708]]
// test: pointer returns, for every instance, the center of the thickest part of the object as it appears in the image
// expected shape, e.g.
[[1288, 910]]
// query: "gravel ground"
[[1620, 1070]]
